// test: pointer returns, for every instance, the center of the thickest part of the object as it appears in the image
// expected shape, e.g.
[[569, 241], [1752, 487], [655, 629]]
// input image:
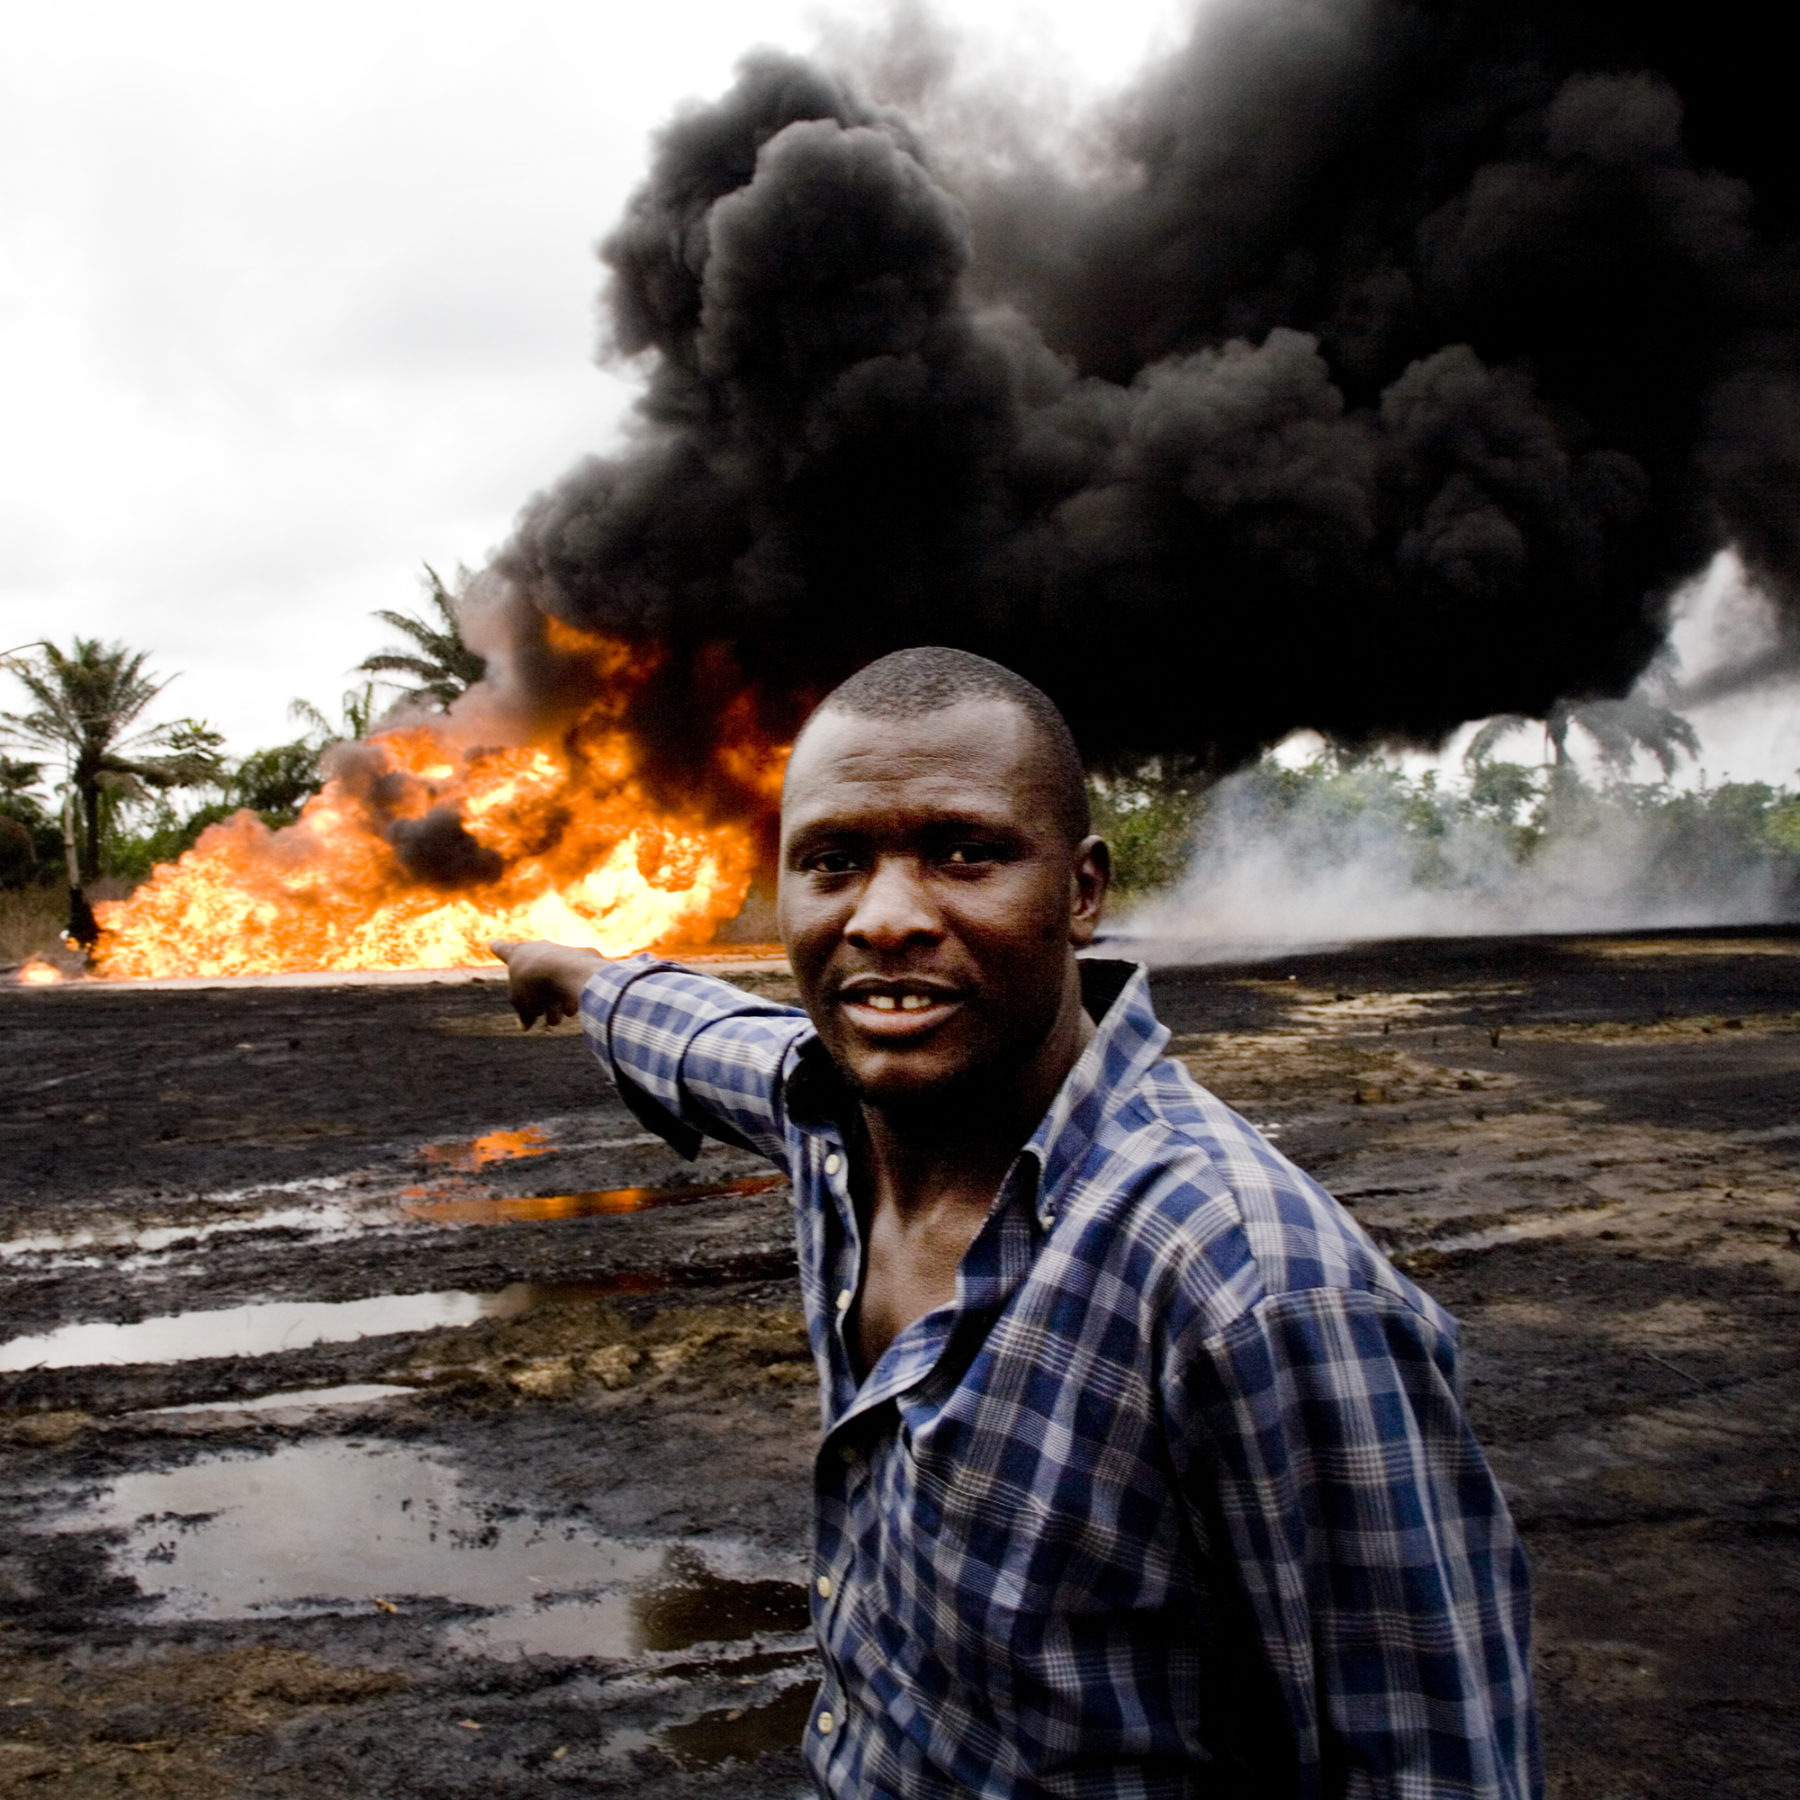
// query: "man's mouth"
[[897, 1007]]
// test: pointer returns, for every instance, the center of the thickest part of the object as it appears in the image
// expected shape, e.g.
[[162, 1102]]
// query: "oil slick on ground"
[[555, 1542]]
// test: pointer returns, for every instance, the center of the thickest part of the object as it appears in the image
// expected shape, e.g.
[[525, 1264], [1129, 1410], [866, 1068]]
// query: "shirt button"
[[824, 1724], [824, 1586], [845, 1296], [833, 1163]]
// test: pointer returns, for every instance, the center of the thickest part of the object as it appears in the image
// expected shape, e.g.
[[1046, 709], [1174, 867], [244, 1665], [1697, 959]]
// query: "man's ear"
[[1089, 880]]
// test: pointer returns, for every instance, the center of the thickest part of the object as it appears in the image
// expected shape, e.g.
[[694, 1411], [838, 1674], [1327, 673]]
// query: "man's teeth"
[[899, 1002]]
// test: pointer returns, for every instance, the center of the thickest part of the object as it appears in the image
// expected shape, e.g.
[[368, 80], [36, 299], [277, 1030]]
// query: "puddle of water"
[[270, 1326], [324, 1217], [601, 1201], [324, 1208], [689, 1604], [324, 1525], [490, 1147], [300, 1399], [741, 1734]]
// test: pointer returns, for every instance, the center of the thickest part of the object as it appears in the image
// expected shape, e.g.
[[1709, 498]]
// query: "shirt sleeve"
[[1385, 1580], [692, 1057]]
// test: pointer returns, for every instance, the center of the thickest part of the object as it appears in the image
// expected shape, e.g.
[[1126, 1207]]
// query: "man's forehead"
[[977, 750]]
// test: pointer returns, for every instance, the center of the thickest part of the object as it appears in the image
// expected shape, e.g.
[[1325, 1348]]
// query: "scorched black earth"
[[385, 1414]]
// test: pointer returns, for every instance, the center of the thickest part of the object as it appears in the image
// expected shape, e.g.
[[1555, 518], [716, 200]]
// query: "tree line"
[[91, 790], [1466, 827]]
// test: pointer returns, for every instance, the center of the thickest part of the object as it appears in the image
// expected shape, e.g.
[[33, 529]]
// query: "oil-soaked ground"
[[375, 1422]]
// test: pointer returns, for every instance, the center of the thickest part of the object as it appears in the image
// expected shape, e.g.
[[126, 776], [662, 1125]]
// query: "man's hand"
[[544, 981]]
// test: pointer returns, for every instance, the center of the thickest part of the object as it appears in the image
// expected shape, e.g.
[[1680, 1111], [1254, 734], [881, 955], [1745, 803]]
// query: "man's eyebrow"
[[937, 825], [827, 827], [948, 824]]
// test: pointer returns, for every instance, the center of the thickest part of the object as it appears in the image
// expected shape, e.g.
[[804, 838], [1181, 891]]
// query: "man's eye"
[[831, 862], [963, 855]]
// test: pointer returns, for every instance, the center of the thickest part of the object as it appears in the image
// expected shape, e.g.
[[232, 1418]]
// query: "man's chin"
[[906, 1081]]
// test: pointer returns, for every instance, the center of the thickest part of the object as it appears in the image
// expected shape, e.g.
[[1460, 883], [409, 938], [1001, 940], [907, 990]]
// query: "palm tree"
[[1619, 728], [441, 665], [358, 712], [17, 779], [87, 699]]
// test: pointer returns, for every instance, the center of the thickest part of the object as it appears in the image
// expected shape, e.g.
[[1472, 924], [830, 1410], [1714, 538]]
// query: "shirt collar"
[[1128, 1039], [817, 1095]]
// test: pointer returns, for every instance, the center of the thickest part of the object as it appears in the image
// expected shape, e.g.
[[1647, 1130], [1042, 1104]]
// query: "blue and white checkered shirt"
[[1176, 1498]]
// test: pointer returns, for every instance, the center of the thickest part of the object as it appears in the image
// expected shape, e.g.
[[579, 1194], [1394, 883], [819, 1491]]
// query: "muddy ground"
[[503, 1491]]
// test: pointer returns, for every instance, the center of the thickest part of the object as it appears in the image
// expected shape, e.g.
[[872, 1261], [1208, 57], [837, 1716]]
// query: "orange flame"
[[570, 849], [40, 974], [491, 1146]]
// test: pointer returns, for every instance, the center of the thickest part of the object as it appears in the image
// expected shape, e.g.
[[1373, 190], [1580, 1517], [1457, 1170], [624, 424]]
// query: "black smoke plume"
[[1407, 359]]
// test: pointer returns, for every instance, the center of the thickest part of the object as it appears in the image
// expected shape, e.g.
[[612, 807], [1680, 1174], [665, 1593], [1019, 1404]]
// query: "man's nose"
[[894, 907]]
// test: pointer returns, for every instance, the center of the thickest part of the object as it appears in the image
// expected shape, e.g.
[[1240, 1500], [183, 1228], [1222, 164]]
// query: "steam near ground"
[[1260, 882], [1293, 851]]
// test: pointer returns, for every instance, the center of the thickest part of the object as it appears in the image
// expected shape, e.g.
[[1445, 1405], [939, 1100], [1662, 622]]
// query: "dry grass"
[[30, 920]]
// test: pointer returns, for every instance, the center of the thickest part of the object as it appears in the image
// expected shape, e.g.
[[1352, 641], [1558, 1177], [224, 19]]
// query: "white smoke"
[[1262, 880], [1287, 856]]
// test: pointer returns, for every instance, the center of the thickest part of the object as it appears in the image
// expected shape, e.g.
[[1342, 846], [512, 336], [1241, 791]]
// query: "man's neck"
[[925, 1180]]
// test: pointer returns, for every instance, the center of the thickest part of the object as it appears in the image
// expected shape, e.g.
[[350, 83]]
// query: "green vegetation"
[[132, 795], [1149, 817], [1446, 835], [30, 839], [86, 701]]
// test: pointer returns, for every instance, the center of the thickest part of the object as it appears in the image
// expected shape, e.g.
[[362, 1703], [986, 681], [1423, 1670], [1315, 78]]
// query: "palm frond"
[[441, 665], [1619, 729], [384, 660], [1481, 745]]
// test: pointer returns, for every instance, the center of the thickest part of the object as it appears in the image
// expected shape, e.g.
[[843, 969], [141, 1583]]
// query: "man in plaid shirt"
[[1143, 1472]]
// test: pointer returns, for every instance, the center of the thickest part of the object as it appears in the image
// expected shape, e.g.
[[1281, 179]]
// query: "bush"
[[31, 921], [275, 783], [1147, 817], [166, 837], [18, 854]]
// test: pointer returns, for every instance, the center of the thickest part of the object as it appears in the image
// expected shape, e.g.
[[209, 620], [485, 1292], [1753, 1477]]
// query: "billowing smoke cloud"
[[1403, 363]]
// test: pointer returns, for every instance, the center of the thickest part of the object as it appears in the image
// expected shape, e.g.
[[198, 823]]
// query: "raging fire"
[[420, 850]]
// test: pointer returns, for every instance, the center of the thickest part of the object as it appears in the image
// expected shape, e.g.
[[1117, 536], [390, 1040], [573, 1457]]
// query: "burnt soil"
[[567, 1556]]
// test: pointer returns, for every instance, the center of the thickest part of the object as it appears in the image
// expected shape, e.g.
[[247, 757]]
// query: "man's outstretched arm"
[[691, 1056]]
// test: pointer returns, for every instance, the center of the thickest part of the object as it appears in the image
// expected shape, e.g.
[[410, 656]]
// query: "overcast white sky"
[[294, 298]]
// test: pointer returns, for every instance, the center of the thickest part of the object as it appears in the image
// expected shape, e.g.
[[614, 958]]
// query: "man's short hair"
[[908, 684]]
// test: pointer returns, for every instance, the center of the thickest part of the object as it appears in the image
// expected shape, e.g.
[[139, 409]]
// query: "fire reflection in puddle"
[[490, 1147], [526, 1208], [321, 1208], [325, 1526], [268, 1327]]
